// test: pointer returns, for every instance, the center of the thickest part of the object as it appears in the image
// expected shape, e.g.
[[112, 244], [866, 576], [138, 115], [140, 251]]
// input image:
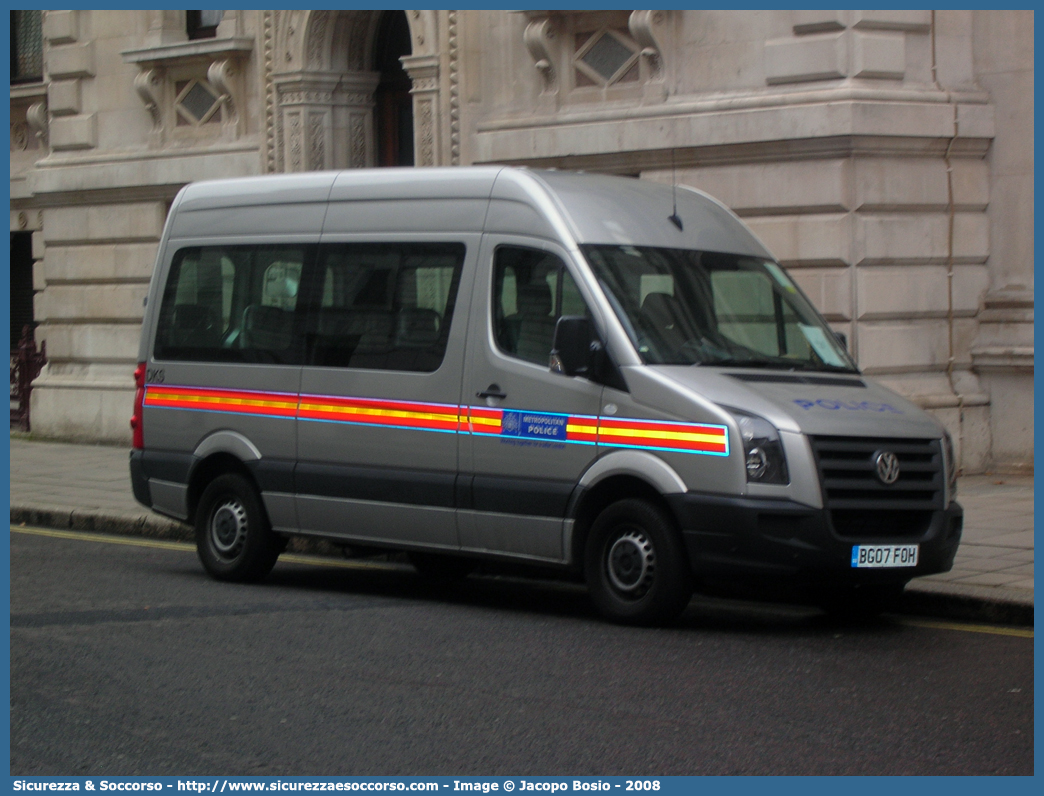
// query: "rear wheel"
[[233, 537], [635, 564]]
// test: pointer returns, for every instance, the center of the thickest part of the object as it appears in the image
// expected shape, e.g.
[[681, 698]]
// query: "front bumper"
[[751, 537]]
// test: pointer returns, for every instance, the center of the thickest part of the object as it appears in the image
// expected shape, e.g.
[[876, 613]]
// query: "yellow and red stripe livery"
[[447, 418], [684, 437], [484, 421], [248, 402], [620, 432], [582, 429], [373, 412]]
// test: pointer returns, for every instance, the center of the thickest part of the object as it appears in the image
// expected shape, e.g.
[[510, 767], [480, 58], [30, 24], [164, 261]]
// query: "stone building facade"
[[885, 157]]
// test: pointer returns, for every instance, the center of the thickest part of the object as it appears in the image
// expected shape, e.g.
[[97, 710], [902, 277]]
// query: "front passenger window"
[[531, 290]]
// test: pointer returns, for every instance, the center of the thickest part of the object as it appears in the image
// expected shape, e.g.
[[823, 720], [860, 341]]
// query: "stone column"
[[1003, 358], [306, 115], [326, 120], [354, 136], [1002, 352], [424, 72], [97, 261]]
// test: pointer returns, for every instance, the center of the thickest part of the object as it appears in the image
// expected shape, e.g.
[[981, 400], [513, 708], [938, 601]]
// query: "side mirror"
[[842, 338], [575, 350]]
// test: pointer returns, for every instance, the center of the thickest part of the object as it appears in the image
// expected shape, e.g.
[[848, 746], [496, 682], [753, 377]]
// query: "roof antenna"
[[673, 217]]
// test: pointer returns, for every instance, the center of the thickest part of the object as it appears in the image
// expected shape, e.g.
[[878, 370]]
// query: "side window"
[[385, 306], [232, 304], [531, 290]]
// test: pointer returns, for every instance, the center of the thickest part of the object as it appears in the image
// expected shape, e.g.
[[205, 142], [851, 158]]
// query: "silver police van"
[[600, 374]]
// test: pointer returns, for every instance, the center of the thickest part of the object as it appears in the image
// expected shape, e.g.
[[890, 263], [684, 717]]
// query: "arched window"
[[393, 113]]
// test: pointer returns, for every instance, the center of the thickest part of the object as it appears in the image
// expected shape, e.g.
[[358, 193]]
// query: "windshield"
[[685, 307]]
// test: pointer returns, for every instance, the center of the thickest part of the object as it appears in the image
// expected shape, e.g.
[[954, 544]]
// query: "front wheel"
[[233, 537], [635, 565]]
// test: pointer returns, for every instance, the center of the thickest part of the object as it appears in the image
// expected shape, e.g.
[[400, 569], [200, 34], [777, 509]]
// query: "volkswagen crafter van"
[[597, 373]]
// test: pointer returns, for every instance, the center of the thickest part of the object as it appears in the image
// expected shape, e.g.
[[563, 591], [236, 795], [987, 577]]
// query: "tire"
[[635, 564], [436, 567], [234, 539]]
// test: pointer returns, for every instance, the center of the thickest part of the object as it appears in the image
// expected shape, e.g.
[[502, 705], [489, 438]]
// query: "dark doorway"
[[21, 284], [394, 105]]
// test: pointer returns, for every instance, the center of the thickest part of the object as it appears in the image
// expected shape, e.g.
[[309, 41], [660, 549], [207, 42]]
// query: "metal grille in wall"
[[196, 103], [605, 57], [26, 46]]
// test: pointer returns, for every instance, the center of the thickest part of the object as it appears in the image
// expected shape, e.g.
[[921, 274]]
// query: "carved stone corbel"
[[644, 26], [539, 39], [158, 63], [36, 117], [147, 84], [220, 75]]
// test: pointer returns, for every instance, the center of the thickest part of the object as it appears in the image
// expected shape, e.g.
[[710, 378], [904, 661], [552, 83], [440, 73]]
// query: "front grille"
[[860, 505], [880, 523]]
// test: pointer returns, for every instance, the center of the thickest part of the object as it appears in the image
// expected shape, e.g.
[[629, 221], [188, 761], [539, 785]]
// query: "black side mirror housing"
[[842, 338], [576, 350]]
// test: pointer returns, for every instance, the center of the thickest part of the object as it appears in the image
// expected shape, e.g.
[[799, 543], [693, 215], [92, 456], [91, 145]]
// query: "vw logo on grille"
[[886, 465]]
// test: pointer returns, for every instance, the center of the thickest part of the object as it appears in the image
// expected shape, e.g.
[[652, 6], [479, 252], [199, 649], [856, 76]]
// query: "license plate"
[[884, 555]]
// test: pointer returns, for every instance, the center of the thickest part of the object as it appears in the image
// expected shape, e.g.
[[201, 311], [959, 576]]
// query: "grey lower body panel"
[[169, 498], [528, 536], [282, 511], [377, 522], [412, 510], [403, 525]]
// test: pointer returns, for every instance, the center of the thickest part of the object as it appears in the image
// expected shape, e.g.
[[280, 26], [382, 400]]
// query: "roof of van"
[[589, 208], [605, 209], [351, 184]]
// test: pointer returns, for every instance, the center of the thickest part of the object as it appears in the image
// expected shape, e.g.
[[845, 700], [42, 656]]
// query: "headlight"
[[951, 464], [762, 450]]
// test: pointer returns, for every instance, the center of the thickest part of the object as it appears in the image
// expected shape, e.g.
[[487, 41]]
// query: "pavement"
[[87, 487]]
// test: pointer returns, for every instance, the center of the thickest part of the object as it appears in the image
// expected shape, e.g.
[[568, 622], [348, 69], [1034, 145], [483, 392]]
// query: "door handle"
[[492, 391]]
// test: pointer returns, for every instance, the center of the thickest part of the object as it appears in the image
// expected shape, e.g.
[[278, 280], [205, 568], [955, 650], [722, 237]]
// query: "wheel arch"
[[207, 469], [619, 475]]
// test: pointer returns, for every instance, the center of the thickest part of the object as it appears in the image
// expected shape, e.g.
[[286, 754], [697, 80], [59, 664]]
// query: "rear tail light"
[[137, 427]]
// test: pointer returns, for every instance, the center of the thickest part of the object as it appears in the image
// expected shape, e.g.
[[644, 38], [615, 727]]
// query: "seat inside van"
[[266, 328], [194, 326], [533, 327]]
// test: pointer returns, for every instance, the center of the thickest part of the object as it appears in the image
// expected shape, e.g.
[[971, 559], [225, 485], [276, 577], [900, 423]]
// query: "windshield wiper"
[[824, 367], [749, 363], [776, 364]]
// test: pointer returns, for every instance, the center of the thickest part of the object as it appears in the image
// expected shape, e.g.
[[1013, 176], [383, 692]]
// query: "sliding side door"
[[380, 391]]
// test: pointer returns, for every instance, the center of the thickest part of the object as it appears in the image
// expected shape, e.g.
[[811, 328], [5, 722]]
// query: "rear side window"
[[384, 306], [232, 304]]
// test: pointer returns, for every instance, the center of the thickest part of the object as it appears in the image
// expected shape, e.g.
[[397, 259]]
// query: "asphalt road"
[[127, 659]]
